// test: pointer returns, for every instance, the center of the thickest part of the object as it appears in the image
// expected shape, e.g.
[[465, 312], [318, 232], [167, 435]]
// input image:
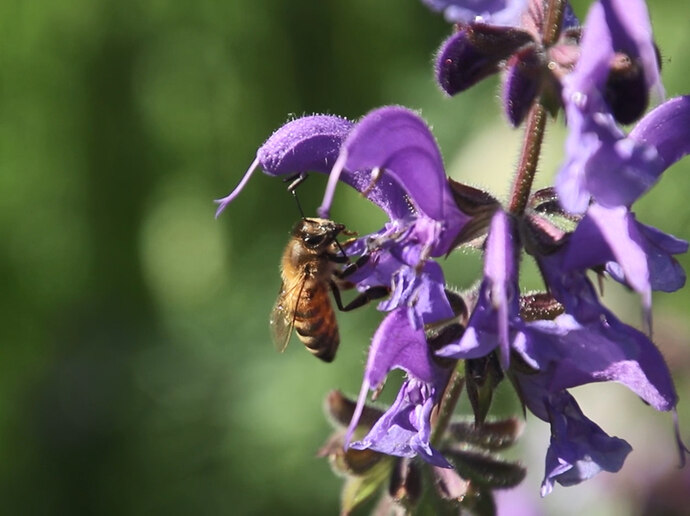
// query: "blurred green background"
[[137, 374]]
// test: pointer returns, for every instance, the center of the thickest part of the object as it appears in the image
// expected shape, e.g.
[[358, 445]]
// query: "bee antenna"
[[295, 181], [299, 206], [342, 251]]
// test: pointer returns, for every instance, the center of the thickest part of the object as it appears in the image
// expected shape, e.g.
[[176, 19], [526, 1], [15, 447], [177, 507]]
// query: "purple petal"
[[396, 344], [620, 171], [666, 274], [419, 291], [571, 288], [460, 64], [642, 253], [307, 143], [399, 143], [520, 85], [498, 301], [667, 129], [631, 30], [474, 53], [569, 353], [405, 428], [495, 12], [596, 51], [600, 162], [579, 448], [501, 275], [611, 234]]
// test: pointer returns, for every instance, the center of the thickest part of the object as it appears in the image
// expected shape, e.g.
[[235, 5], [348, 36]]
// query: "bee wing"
[[284, 313]]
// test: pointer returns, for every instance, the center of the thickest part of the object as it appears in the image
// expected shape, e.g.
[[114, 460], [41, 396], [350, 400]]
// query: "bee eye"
[[314, 240]]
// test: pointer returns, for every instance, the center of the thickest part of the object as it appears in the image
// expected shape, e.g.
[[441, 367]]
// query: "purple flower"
[[512, 39], [569, 353], [600, 161], [498, 301], [617, 174], [589, 344], [308, 143], [579, 449], [391, 157], [405, 428], [393, 150], [393, 142], [475, 52], [635, 254]]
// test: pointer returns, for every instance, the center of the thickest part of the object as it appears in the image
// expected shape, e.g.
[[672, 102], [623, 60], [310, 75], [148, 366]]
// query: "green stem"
[[450, 398]]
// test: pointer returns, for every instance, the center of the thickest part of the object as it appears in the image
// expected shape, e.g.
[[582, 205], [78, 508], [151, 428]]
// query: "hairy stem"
[[529, 158], [522, 187], [536, 120]]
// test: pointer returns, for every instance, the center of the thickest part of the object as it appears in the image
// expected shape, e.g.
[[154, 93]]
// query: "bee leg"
[[362, 299], [351, 267]]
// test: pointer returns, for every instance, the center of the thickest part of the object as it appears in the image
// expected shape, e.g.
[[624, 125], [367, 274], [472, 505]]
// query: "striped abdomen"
[[315, 321]]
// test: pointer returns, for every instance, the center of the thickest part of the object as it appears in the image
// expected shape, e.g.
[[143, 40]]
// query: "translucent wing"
[[284, 312]]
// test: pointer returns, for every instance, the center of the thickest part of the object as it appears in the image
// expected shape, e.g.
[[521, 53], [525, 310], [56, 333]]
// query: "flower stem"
[[529, 158], [451, 394], [536, 120], [522, 188]]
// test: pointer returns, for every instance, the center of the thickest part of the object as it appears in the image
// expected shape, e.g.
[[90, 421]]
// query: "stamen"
[[647, 312], [227, 200], [361, 400], [325, 208], [376, 174]]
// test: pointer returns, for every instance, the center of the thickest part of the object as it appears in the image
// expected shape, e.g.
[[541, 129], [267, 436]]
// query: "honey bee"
[[309, 271]]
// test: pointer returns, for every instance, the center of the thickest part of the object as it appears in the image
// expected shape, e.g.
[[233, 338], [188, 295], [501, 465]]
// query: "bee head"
[[317, 234]]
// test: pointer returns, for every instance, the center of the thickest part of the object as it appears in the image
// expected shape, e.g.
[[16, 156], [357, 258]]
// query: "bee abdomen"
[[322, 346], [317, 328]]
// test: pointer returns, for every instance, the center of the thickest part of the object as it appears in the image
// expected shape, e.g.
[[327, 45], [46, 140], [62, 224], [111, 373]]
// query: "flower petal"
[[397, 142], [520, 85], [569, 354], [600, 161], [396, 344], [642, 254], [667, 129], [579, 448], [498, 302], [404, 429], [474, 53], [307, 143]]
